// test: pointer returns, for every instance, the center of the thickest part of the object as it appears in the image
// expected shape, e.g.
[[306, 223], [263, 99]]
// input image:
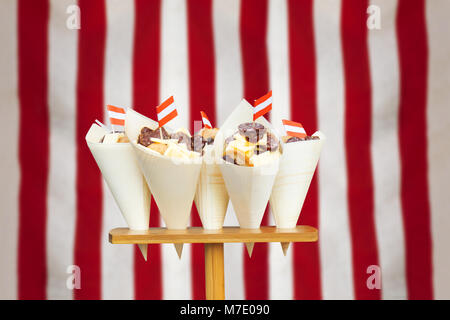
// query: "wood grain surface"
[[225, 235]]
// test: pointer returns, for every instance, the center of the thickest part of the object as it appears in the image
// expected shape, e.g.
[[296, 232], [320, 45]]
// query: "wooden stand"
[[213, 240]]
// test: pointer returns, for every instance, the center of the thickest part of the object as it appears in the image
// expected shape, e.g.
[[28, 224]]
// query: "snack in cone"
[[297, 166], [248, 159], [211, 197], [116, 160], [170, 168]]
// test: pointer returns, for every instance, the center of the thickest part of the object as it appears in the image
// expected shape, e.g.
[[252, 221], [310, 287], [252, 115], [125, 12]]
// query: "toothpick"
[[102, 125]]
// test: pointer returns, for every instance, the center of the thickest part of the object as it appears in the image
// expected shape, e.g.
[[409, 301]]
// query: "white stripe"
[[166, 111], [280, 267], [116, 115], [294, 129], [334, 234], [227, 47], [438, 123], [206, 122], [385, 152], [61, 185], [9, 169], [117, 260], [262, 105], [279, 66], [174, 81], [229, 91]]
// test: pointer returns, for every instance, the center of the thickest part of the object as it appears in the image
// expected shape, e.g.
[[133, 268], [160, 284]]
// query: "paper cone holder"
[[123, 177], [213, 241]]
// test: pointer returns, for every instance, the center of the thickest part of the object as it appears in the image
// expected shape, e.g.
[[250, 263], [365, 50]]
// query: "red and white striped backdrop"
[[380, 196]]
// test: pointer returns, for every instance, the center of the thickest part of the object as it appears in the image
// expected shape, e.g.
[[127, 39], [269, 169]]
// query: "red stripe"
[[302, 54], [253, 31], [148, 275], [357, 142], [33, 142], [202, 94], [88, 233], [413, 56]]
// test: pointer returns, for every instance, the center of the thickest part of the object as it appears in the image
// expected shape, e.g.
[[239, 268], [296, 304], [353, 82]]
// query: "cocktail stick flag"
[[166, 111], [262, 105], [117, 118], [206, 122], [294, 129]]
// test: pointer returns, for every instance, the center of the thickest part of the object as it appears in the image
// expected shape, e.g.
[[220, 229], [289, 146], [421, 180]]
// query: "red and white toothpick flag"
[[117, 118], [294, 129], [206, 122], [166, 111], [262, 105]]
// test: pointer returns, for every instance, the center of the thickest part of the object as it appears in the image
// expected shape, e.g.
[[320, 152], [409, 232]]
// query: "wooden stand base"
[[213, 240]]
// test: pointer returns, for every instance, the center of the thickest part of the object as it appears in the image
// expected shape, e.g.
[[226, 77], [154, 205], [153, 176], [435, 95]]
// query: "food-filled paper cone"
[[172, 181], [211, 197], [249, 188], [124, 178], [297, 166]]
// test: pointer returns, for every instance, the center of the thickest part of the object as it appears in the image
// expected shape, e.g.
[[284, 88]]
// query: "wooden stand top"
[[224, 235]]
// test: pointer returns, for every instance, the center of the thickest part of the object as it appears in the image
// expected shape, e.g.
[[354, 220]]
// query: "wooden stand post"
[[214, 271]]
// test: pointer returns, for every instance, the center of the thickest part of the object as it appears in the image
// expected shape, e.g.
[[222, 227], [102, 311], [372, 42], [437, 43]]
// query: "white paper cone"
[[285, 247], [250, 246], [173, 182], [249, 188], [179, 249], [211, 197], [124, 178], [297, 166], [134, 122], [172, 185]]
